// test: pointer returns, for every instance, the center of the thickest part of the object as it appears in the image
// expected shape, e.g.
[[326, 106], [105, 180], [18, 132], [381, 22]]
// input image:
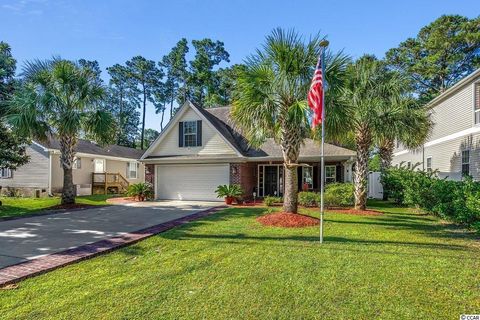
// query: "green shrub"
[[270, 201], [141, 191], [339, 195], [457, 201], [309, 199]]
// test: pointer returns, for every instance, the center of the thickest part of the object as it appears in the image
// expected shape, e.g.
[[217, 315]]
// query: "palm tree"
[[376, 110], [62, 98], [270, 97]]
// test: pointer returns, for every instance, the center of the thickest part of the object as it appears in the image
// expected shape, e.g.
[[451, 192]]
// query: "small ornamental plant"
[[229, 192]]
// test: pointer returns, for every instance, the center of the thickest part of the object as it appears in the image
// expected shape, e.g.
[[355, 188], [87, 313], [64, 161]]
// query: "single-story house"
[[200, 148], [93, 166]]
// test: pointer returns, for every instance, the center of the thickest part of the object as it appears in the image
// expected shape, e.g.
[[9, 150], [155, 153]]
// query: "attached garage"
[[190, 182]]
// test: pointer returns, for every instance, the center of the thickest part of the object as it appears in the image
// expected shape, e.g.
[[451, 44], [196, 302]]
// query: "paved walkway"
[[29, 238]]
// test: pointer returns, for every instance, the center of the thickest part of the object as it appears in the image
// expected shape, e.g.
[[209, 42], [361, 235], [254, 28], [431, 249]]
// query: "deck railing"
[[108, 180]]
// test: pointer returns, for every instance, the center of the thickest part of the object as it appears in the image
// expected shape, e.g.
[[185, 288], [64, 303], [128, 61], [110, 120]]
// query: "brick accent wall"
[[244, 174], [150, 173]]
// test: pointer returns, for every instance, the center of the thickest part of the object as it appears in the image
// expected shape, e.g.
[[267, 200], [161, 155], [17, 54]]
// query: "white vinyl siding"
[[453, 114], [190, 182], [212, 142], [34, 174]]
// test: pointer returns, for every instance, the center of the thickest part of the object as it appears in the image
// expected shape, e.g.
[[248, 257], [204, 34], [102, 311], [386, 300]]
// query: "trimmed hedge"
[[336, 195], [457, 201]]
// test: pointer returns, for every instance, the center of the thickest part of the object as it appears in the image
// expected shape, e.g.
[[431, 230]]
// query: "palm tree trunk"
[[363, 140], [290, 198], [67, 145], [385, 150]]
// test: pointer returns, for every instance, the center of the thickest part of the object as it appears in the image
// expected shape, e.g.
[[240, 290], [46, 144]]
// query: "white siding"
[[446, 156], [212, 142], [454, 113], [34, 174]]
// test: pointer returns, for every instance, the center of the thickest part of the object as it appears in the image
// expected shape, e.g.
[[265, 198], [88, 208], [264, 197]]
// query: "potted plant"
[[141, 191], [229, 192]]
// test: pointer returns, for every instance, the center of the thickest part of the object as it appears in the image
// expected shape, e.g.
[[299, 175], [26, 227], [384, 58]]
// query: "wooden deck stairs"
[[109, 183]]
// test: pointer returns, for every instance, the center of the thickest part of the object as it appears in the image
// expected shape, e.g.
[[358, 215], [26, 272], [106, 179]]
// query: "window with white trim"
[[5, 173], [132, 172], [190, 133], [330, 174], [476, 99], [99, 165], [429, 163], [307, 177], [465, 162], [77, 163]]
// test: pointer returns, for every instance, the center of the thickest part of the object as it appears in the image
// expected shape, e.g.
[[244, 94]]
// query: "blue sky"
[[112, 31]]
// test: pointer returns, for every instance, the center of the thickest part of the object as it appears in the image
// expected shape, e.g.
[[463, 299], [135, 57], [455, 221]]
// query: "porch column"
[[347, 171]]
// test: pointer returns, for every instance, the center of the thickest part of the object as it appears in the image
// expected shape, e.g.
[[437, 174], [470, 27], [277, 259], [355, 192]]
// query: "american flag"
[[315, 95]]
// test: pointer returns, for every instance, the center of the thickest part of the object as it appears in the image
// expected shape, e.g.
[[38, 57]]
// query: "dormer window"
[[477, 102], [190, 134]]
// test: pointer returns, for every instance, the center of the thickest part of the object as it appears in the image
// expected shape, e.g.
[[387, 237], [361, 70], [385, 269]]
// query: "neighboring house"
[[43, 174], [200, 149], [454, 145]]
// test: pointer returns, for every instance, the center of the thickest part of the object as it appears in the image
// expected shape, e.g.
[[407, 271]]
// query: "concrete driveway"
[[28, 238]]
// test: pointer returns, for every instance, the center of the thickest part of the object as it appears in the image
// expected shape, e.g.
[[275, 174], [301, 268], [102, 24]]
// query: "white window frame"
[[467, 162], [304, 170], [195, 135], [95, 165], [5, 173], [135, 165], [429, 167], [476, 102], [76, 161], [332, 179]]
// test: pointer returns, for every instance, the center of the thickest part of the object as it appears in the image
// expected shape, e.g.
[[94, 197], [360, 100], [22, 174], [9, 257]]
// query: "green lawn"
[[397, 266], [13, 207]]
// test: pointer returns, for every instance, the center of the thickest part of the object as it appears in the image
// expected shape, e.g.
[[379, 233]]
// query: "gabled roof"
[[219, 118], [89, 147], [310, 148]]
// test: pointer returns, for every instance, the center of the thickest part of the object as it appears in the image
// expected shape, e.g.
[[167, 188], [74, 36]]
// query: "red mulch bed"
[[122, 200], [71, 206], [355, 212], [287, 220]]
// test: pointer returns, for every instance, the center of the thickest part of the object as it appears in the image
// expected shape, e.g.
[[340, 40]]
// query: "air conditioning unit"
[[84, 189]]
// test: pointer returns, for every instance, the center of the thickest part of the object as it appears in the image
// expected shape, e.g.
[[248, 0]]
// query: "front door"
[[271, 180]]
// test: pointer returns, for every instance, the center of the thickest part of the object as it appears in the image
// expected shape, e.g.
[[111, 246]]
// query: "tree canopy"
[[441, 54]]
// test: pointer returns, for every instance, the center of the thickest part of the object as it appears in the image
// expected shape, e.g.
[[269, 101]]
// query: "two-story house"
[[453, 147]]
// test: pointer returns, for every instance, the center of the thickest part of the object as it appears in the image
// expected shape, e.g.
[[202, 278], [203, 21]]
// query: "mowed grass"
[[15, 207], [400, 265]]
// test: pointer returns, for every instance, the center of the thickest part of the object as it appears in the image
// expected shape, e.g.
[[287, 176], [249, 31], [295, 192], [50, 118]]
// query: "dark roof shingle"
[[90, 147]]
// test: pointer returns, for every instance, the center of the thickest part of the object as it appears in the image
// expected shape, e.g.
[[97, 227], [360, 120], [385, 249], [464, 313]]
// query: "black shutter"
[[199, 133], [180, 134], [339, 173]]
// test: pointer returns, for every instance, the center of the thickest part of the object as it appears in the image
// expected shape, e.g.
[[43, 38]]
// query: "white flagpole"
[[324, 45]]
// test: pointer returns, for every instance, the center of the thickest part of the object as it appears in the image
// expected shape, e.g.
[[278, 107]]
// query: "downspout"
[[50, 173]]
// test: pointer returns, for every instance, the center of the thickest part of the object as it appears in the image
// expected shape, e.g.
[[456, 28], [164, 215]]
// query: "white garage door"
[[191, 182]]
